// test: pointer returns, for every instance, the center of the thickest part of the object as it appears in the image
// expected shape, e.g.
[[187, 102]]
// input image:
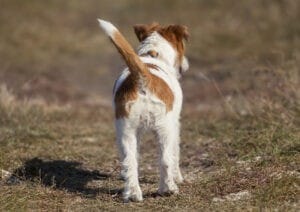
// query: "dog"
[[147, 96]]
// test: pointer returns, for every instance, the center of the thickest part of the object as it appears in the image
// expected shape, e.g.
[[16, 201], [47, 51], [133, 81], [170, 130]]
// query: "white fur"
[[149, 113], [108, 28], [156, 42], [185, 64]]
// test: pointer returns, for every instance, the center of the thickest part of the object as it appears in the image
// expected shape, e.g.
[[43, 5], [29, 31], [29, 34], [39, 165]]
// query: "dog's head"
[[164, 43]]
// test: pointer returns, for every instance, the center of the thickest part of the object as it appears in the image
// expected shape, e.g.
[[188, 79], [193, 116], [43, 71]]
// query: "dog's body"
[[148, 96]]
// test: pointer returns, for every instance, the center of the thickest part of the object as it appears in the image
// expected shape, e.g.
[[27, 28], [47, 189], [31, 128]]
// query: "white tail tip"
[[107, 27]]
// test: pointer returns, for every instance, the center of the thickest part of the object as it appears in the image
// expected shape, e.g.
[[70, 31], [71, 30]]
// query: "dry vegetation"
[[240, 122]]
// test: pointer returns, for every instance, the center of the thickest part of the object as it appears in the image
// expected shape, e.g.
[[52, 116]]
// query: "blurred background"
[[55, 51]]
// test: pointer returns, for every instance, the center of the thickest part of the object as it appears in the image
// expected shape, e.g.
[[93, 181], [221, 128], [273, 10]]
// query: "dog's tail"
[[134, 63]]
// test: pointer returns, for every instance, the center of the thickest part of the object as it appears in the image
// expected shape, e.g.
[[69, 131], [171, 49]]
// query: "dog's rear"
[[148, 95]]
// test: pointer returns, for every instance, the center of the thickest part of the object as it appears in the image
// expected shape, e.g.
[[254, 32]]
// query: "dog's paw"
[[133, 194], [178, 177], [168, 189]]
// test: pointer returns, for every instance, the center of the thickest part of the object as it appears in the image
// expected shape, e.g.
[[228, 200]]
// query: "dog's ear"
[[142, 31], [180, 31]]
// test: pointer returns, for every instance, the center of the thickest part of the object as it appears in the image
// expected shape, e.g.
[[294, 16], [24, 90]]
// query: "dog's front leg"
[[127, 142]]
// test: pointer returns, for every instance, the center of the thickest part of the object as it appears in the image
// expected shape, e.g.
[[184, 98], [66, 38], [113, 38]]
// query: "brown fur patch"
[[142, 31], [128, 91], [160, 88], [162, 91], [153, 66]]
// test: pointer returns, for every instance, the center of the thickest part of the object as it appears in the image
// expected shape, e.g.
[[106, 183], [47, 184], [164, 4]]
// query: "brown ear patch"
[[180, 31], [142, 31], [175, 34]]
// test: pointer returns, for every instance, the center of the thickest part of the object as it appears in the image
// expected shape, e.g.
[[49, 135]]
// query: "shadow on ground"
[[64, 175]]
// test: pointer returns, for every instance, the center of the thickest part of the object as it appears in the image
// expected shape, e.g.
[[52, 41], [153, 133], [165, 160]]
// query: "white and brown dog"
[[148, 96]]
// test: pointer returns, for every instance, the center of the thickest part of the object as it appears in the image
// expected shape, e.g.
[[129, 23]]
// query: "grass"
[[240, 120]]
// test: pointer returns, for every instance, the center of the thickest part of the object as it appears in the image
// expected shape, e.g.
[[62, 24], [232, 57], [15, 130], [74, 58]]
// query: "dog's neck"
[[155, 46]]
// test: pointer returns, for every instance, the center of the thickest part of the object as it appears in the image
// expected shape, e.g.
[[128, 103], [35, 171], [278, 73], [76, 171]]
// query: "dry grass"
[[240, 124]]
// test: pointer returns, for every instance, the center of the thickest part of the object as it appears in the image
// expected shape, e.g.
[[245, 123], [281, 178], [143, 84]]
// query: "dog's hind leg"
[[176, 151], [127, 142], [166, 138]]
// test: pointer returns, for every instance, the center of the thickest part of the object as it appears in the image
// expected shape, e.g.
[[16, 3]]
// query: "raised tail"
[[134, 63]]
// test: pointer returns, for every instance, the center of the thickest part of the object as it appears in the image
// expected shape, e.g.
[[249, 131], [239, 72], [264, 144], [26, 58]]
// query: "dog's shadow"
[[64, 175]]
